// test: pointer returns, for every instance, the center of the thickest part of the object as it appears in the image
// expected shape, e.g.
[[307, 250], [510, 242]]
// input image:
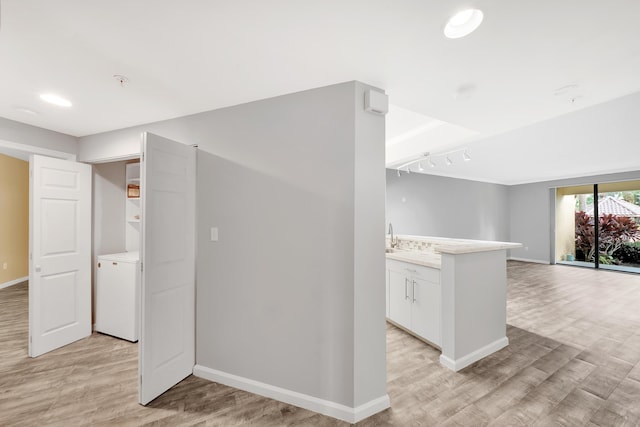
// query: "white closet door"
[[167, 336], [60, 248]]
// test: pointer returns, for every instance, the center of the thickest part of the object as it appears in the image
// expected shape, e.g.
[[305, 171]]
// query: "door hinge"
[[141, 268], [142, 156]]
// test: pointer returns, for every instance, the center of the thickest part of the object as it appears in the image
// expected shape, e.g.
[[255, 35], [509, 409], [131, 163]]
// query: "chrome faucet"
[[393, 242]]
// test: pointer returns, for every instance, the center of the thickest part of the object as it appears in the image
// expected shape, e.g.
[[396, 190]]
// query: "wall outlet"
[[4, 265], [214, 234]]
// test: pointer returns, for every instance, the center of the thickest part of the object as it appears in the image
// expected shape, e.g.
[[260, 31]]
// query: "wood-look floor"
[[573, 359]]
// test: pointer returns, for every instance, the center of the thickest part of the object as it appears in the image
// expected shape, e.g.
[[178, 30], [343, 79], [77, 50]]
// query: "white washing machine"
[[118, 295]]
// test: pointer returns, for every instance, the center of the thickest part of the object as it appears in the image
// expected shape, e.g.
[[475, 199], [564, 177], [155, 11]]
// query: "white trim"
[[325, 407], [463, 362], [135, 156], [537, 261], [14, 282]]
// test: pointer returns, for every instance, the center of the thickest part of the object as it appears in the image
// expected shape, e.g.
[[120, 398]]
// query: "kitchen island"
[[451, 293]]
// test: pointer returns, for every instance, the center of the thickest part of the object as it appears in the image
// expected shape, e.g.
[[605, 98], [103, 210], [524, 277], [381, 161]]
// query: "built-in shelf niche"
[[132, 208]]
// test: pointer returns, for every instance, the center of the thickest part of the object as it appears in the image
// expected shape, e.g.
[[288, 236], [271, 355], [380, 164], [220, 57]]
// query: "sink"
[[393, 250]]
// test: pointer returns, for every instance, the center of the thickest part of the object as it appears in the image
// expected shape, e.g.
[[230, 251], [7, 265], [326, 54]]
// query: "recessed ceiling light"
[[463, 23], [55, 100], [569, 89], [464, 91], [25, 110]]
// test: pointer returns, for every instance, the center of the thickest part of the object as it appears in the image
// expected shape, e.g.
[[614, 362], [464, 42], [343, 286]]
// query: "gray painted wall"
[[292, 295], [430, 205], [108, 212], [21, 133], [531, 213], [109, 196], [369, 342]]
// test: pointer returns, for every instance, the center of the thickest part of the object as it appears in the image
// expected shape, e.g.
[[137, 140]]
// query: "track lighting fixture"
[[428, 157]]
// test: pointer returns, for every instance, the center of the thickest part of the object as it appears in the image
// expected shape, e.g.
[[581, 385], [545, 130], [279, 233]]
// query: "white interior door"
[[60, 248], [167, 335]]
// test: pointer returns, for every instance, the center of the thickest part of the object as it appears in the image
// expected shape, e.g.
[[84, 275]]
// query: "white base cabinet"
[[414, 299], [118, 295]]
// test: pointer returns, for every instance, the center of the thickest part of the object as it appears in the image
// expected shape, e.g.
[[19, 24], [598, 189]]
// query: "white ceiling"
[[183, 57]]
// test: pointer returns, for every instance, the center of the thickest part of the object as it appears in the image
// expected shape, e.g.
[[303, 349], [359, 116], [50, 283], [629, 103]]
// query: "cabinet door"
[[116, 300], [400, 298], [425, 310]]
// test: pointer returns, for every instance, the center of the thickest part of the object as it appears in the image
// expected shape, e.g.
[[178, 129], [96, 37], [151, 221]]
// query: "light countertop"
[[471, 247], [440, 245]]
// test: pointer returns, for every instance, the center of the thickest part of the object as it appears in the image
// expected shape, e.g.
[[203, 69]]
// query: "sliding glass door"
[[610, 242], [618, 225], [575, 228]]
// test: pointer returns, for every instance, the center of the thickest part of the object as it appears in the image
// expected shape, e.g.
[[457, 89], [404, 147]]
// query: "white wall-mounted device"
[[376, 102]]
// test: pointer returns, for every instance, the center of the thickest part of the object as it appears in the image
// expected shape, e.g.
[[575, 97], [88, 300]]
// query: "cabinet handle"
[[406, 292], [413, 290]]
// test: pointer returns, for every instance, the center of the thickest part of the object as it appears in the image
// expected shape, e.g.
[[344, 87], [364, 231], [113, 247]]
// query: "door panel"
[[60, 247], [167, 339], [399, 299], [425, 312]]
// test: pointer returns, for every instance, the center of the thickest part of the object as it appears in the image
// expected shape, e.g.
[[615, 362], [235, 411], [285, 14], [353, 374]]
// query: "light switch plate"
[[214, 234]]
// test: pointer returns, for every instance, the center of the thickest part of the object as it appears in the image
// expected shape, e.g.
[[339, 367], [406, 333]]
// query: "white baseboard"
[[14, 282], [537, 261], [325, 407], [463, 362]]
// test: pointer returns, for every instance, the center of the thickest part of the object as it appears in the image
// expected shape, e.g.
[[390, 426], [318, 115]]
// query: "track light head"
[[428, 157]]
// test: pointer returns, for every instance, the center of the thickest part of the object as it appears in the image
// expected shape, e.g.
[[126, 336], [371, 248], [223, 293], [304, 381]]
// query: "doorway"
[[116, 234], [14, 220], [14, 251], [167, 330], [14, 262]]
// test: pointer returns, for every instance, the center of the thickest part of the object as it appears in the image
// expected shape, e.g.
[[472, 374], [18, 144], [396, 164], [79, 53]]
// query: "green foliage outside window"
[[615, 233]]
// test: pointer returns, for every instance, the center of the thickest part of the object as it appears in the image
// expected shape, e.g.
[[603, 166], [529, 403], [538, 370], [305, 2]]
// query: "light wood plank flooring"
[[573, 359]]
